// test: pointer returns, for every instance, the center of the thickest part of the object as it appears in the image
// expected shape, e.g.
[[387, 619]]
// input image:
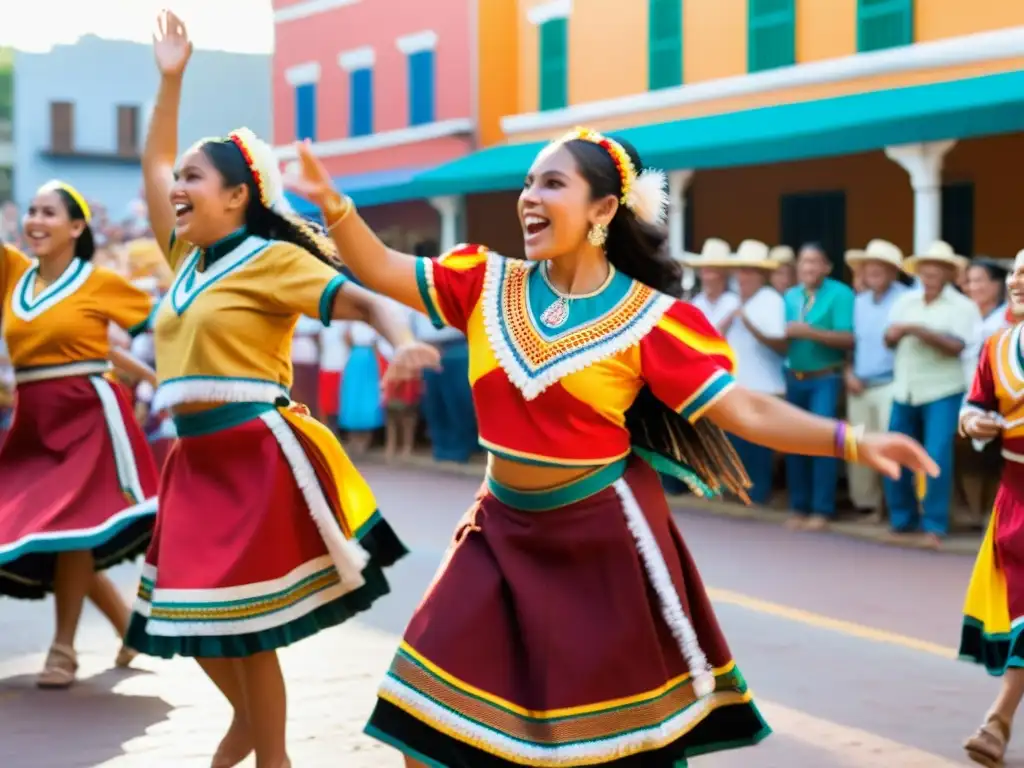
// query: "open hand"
[[889, 452], [171, 45], [310, 179], [410, 360]]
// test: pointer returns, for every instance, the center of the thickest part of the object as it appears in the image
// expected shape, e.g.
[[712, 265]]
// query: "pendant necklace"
[[557, 313]]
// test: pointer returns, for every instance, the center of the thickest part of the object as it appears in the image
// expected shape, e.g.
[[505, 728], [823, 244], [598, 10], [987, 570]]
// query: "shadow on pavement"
[[37, 727]]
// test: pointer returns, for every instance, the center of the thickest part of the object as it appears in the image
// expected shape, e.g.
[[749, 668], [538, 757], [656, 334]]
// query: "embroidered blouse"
[[999, 387], [63, 330], [223, 332], [558, 395]]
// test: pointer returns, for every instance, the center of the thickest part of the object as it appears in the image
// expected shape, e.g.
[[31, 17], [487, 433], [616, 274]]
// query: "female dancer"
[[993, 628], [568, 624], [266, 532], [77, 479]]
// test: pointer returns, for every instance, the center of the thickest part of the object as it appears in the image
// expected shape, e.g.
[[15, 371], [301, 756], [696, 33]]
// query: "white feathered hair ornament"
[[646, 193], [265, 169]]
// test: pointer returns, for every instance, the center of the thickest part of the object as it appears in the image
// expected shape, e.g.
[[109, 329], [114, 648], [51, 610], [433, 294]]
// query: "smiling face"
[[556, 209], [49, 229], [206, 209]]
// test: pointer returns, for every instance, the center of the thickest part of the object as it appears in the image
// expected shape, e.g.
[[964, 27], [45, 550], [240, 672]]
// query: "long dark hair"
[[85, 245], [640, 249], [265, 222]]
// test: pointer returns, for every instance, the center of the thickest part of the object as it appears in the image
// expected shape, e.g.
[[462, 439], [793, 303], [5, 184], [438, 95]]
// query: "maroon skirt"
[[571, 636], [76, 473]]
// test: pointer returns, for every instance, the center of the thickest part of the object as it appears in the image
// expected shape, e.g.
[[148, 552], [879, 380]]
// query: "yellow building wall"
[[608, 52]]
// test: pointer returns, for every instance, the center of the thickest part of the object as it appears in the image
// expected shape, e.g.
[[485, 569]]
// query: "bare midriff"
[[529, 477]]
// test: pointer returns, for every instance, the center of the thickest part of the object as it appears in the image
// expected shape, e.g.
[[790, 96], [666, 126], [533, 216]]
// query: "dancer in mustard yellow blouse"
[[568, 624], [77, 479], [266, 533]]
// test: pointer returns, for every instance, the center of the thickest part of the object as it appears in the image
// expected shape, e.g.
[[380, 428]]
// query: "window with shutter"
[[62, 127], [305, 111], [128, 131], [421, 87], [884, 24], [361, 102], [771, 34], [665, 44], [554, 64]]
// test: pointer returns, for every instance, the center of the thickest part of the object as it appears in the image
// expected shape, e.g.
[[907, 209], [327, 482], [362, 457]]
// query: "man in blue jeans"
[[929, 329], [819, 331]]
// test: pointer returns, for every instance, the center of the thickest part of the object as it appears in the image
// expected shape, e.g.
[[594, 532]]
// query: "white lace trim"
[[701, 674], [532, 384], [215, 389]]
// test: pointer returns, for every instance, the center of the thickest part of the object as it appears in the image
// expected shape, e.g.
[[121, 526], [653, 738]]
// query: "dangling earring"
[[597, 235]]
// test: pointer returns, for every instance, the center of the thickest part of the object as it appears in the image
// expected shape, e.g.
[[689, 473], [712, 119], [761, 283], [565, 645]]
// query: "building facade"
[[6, 124], [781, 120], [80, 113], [383, 90]]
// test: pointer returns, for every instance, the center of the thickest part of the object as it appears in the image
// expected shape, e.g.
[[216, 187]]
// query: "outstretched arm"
[[172, 49], [776, 424], [378, 267]]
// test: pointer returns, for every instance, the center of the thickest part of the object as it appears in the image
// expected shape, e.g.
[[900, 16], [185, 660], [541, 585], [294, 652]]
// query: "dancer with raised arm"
[[266, 534], [993, 627], [77, 478], [568, 624]]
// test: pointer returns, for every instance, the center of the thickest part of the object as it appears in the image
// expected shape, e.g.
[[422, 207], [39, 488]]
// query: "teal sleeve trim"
[[717, 385], [327, 298], [423, 281]]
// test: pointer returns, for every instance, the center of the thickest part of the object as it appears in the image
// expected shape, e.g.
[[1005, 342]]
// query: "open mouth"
[[35, 237], [182, 209], [535, 224]]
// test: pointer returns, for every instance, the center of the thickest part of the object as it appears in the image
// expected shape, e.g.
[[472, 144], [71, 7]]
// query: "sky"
[[233, 25]]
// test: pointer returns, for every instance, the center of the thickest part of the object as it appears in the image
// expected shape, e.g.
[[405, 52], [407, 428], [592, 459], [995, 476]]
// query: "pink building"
[[384, 90]]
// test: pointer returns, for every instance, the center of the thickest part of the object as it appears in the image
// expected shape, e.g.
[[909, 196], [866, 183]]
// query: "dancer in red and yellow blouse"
[[77, 479], [993, 627], [266, 533], [568, 624]]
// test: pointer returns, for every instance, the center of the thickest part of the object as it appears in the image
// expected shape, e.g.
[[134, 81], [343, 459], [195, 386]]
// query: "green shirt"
[[830, 308]]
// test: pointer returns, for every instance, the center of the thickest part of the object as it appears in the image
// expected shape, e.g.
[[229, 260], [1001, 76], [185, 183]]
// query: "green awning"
[[842, 125]]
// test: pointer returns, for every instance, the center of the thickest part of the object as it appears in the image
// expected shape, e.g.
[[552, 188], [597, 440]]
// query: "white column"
[[450, 208], [678, 181], [923, 163]]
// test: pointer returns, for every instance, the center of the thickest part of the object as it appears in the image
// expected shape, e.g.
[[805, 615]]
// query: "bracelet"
[[337, 211], [847, 440]]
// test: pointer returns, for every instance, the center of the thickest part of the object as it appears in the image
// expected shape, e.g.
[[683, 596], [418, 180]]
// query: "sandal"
[[59, 669], [988, 744]]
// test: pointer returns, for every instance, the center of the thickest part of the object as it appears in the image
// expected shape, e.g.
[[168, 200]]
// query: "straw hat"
[[877, 250], [782, 254], [750, 254], [714, 250], [940, 252]]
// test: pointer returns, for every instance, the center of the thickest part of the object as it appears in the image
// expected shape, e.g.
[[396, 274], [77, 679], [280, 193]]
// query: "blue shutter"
[[884, 24], [421, 88], [361, 102], [305, 111], [554, 64], [665, 44], [771, 34]]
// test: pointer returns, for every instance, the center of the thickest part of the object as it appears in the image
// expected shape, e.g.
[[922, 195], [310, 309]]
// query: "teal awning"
[[841, 125]]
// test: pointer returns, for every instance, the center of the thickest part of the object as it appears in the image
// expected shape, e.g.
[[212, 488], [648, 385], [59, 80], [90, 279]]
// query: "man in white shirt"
[[756, 331], [715, 299]]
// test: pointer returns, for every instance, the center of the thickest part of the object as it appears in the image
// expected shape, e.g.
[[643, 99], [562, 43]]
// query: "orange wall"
[[738, 203], [608, 48], [937, 19], [497, 63]]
